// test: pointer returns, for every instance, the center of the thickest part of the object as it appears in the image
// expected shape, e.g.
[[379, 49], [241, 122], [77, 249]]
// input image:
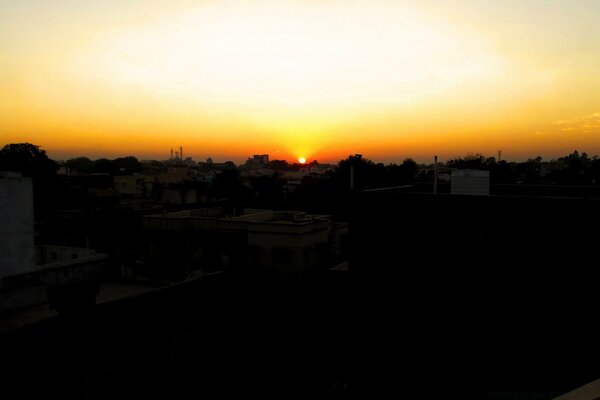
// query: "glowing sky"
[[318, 79]]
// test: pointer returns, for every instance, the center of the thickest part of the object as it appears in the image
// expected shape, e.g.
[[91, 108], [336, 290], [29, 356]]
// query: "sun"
[[302, 160]]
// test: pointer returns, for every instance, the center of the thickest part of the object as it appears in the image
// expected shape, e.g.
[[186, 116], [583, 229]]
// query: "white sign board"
[[468, 181]]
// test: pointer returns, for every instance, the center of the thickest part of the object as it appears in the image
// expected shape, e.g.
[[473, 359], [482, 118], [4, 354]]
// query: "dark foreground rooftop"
[[207, 338]]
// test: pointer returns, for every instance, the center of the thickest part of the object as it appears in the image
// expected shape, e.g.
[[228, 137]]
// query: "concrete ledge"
[[591, 391]]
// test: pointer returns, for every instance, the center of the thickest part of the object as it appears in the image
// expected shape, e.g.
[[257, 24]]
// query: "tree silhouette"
[[572, 169], [367, 174], [278, 165], [104, 166], [228, 184], [530, 171], [595, 170], [504, 172], [402, 174], [28, 159], [127, 165], [32, 162], [470, 161], [80, 165], [268, 191]]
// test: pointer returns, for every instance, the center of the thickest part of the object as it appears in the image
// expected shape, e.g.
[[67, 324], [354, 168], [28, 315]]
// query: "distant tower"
[[171, 154], [181, 152], [499, 155]]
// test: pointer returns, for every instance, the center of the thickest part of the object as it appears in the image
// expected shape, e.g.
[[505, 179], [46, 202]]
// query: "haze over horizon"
[[315, 79]]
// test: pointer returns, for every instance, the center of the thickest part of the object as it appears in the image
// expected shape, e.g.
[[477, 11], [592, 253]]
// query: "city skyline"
[[318, 80], [174, 155]]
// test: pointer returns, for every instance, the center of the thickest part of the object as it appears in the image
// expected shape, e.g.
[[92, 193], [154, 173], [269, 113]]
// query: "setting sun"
[[232, 78], [302, 160]]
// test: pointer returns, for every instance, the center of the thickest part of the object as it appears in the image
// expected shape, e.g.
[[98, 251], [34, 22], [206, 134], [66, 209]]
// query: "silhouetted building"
[[262, 158], [16, 230], [503, 283], [174, 175], [257, 161], [35, 274], [258, 241], [293, 180], [180, 196], [135, 185]]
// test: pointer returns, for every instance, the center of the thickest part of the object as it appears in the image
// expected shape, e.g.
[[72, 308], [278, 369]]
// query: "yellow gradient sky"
[[316, 79]]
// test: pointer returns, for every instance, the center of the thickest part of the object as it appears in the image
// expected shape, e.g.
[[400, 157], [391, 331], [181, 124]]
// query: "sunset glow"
[[228, 79], [302, 160]]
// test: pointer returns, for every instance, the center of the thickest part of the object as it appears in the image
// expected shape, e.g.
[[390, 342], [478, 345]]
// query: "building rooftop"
[[281, 217], [110, 291], [250, 215]]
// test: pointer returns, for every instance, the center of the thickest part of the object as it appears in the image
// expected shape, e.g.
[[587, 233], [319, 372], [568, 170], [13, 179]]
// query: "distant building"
[[189, 162], [63, 170], [257, 161], [180, 196], [135, 185], [468, 181], [293, 180], [316, 168], [262, 158], [35, 274], [173, 175], [177, 158], [187, 242]]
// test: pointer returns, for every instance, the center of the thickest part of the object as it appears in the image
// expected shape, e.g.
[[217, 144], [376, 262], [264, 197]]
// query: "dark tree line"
[[122, 165], [319, 192], [27, 159], [573, 169]]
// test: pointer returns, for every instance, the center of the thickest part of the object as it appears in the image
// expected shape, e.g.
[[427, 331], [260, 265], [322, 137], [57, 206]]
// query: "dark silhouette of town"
[[470, 278]]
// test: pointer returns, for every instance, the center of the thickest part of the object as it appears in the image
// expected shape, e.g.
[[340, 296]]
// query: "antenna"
[[435, 174]]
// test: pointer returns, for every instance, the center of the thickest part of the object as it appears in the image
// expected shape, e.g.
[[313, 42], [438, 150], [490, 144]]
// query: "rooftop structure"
[[257, 240], [35, 274], [135, 185], [257, 161], [16, 229]]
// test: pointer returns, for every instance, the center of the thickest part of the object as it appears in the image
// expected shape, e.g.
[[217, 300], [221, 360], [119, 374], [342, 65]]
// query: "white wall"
[[17, 253], [470, 182]]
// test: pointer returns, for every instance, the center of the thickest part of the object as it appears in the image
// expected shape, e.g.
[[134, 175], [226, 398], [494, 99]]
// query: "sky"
[[317, 79]]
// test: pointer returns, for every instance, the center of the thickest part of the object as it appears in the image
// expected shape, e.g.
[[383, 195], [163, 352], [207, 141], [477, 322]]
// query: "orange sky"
[[314, 79]]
